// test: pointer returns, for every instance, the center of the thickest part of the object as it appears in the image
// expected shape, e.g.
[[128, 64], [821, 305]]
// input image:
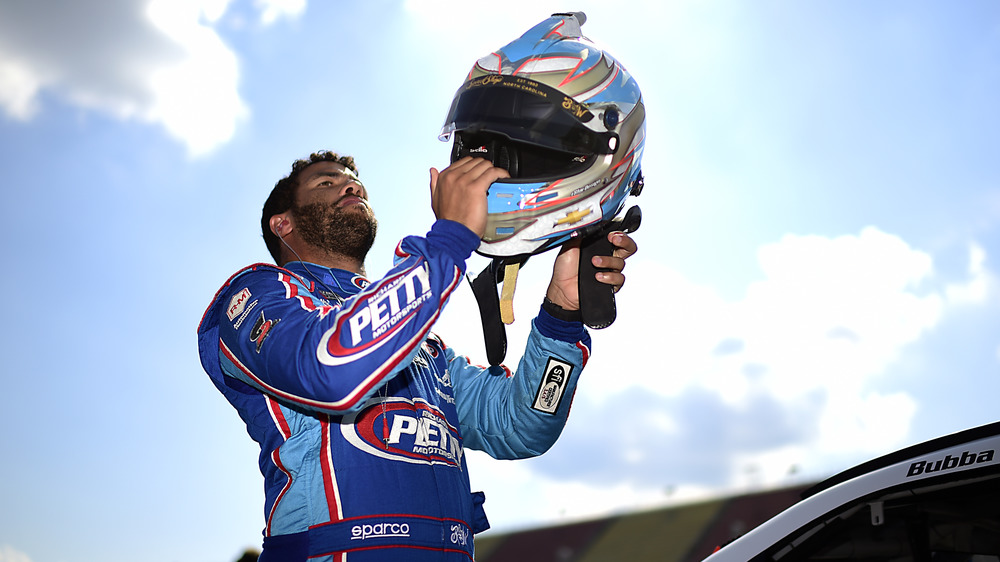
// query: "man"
[[361, 413]]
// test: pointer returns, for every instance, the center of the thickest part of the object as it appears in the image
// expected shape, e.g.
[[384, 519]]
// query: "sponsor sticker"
[[403, 430], [261, 329], [245, 315], [330, 296], [949, 462], [374, 319], [459, 534], [553, 386], [237, 304], [380, 531]]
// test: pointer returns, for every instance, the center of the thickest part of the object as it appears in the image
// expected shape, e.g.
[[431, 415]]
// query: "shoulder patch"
[[237, 304], [261, 329]]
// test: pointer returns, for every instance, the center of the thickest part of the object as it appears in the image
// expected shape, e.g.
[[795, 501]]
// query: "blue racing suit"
[[362, 414]]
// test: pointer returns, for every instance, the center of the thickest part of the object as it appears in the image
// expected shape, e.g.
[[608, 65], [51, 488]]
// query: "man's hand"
[[564, 289], [458, 193]]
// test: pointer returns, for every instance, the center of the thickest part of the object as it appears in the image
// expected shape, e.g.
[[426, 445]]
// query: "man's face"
[[331, 210]]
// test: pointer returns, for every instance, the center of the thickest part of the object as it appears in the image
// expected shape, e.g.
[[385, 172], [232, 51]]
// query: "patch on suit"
[[376, 318], [411, 431], [237, 304], [553, 386], [261, 329]]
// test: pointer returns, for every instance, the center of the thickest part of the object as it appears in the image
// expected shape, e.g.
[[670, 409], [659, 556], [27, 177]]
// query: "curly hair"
[[282, 197]]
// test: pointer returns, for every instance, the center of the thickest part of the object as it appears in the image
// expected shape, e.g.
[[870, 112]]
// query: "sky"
[[816, 283]]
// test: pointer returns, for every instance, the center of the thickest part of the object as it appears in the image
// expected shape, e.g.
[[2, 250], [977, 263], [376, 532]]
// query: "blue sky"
[[816, 283]]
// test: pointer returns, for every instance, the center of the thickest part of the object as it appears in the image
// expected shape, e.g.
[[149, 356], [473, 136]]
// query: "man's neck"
[[330, 260]]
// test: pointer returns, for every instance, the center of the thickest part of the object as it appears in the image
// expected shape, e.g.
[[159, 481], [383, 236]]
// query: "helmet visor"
[[521, 160], [526, 111]]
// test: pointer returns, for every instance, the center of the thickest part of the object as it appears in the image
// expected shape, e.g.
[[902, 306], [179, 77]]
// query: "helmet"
[[566, 120]]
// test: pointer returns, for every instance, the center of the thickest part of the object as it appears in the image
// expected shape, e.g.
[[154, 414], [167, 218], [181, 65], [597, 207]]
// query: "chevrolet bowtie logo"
[[573, 217]]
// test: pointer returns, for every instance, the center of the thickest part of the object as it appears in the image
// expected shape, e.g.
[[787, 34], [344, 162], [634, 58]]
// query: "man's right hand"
[[458, 193]]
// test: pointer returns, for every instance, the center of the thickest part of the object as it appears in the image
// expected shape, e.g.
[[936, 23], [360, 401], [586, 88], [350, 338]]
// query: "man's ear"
[[281, 225]]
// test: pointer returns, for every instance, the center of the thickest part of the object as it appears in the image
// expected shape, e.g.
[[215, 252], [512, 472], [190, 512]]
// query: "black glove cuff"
[[560, 313]]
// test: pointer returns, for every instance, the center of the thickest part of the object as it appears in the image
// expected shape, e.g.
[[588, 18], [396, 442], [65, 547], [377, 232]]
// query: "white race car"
[[937, 501]]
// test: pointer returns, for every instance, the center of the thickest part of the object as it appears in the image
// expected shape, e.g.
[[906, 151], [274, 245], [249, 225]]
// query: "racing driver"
[[362, 414]]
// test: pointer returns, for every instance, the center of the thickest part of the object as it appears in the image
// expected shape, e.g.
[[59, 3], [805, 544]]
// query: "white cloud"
[[155, 61], [708, 393], [272, 10], [9, 554], [18, 88], [196, 99], [829, 316], [835, 310], [869, 423], [977, 289]]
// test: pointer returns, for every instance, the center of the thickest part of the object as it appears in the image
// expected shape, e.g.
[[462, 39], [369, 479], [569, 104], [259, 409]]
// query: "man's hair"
[[282, 197]]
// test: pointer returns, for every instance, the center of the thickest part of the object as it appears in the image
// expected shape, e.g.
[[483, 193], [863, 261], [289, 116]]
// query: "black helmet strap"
[[484, 287], [597, 300]]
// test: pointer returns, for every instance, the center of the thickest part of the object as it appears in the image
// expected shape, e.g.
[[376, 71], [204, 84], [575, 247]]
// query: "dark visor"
[[526, 111]]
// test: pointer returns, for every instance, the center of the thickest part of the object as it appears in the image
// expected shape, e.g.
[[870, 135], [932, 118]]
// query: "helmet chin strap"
[[507, 293], [494, 311], [597, 300]]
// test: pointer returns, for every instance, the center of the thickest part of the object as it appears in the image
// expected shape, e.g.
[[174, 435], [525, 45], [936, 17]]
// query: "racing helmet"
[[566, 120]]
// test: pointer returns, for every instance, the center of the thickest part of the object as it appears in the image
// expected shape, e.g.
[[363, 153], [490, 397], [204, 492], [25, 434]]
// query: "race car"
[[937, 501]]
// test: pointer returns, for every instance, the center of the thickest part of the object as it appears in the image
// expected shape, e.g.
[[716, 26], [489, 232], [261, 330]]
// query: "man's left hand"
[[564, 289]]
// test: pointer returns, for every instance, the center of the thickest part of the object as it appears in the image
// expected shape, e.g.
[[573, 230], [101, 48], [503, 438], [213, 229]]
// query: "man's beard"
[[339, 230]]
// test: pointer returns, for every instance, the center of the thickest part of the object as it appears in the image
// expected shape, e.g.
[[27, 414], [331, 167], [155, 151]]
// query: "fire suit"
[[362, 414]]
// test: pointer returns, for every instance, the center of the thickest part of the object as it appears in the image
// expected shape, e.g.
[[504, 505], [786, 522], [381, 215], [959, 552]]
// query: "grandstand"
[[685, 533]]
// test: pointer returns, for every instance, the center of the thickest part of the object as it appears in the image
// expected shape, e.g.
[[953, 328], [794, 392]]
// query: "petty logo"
[[375, 318], [403, 430]]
